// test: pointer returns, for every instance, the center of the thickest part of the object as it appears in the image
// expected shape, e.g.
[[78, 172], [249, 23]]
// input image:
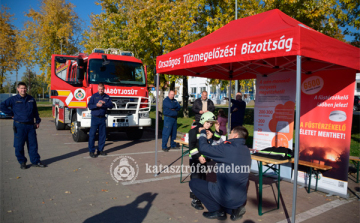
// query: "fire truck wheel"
[[78, 134], [58, 125], [134, 133]]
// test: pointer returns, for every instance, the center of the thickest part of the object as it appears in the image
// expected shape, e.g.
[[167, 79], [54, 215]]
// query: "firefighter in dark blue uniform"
[[237, 111], [98, 104], [170, 110], [229, 193], [24, 111]]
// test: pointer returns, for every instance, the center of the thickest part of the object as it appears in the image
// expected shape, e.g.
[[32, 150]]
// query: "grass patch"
[[355, 136], [43, 102], [45, 112]]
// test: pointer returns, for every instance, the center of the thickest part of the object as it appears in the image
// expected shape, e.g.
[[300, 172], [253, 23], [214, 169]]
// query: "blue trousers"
[[170, 129], [97, 124], [25, 133], [201, 191]]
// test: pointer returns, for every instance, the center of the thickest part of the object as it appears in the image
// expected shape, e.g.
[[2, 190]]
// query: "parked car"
[[3, 97], [3, 115], [192, 98], [356, 103], [179, 98]]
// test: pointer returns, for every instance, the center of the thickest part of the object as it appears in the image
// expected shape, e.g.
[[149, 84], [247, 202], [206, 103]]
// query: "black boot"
[[197, 204], [39, 164], [23, 166], [219, 215], [237, 213]]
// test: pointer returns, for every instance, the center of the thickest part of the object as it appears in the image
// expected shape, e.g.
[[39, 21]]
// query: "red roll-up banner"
[[325, 126]]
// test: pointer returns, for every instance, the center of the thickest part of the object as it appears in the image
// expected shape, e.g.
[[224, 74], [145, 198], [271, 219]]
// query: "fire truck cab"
[[74, 79]]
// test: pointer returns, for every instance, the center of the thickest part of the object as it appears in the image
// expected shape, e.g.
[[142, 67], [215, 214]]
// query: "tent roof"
[[261, 44]]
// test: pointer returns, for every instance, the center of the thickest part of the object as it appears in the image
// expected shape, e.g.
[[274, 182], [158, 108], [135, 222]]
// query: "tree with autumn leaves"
[[54, 29], [8, 35]]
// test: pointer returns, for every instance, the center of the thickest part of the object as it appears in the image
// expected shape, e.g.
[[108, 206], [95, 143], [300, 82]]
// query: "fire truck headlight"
[[144, 115]]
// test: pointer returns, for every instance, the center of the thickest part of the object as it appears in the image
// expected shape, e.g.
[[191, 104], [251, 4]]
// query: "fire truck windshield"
[[118, 73]]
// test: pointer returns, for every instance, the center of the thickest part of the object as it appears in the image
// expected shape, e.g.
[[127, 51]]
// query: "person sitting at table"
[[229, 193], [196, 160]]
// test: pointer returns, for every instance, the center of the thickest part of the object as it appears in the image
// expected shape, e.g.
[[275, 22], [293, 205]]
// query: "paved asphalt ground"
[[76, 188]]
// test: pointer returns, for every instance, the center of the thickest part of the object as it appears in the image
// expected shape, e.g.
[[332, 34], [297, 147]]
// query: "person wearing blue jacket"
[[237, 111], [24, 110], [229, 193], [98, 104], [170, 111]]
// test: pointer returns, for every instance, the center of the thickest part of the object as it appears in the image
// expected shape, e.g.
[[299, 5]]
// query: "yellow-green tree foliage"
[[55, 28], [325, 16], [149, 28], [7, 45]]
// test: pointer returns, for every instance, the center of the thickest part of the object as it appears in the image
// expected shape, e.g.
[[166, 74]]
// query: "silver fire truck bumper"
[[120, 121], [127, 121]]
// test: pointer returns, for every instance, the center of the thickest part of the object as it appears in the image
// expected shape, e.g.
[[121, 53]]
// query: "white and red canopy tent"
[[262, 44]]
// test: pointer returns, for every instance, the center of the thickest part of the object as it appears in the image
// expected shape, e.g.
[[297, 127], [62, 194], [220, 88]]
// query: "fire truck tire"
[[58, 125], [78, 134], [134, 133]]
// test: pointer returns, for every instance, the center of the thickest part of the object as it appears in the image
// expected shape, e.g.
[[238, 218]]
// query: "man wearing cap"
[[24, 111], [197, 161], [229, 193]]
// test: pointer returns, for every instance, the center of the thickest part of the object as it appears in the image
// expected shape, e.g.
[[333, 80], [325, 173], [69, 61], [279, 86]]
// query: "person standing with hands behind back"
[[170, 110], [237, 111], [98, 104], [202, 105]]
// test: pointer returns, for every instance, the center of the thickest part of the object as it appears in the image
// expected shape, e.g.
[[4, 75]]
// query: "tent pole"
[[229, 113], [297, 135], [237, 81], [157, 118]]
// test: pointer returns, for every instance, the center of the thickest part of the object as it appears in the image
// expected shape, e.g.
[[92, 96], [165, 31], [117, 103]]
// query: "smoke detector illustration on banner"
[[337, 116], [282, 126]]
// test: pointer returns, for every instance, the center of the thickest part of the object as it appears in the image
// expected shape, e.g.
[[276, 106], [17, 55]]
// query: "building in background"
[[357, 85], [196, 85]]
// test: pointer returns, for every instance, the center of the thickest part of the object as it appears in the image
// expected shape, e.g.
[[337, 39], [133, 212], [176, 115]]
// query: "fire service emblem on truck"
[[79, 94]]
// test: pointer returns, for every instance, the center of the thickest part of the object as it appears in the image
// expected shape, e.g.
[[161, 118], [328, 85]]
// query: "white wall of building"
[[196, 85], [357, 84]]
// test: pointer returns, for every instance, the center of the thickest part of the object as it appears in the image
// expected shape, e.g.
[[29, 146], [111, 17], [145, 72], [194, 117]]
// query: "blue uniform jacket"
[[24, 109], [99, 111], [238, 116], [230, 190], [170, 107]]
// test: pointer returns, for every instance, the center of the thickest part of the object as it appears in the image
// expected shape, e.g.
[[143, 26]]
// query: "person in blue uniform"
[[229, 193], [170, 111], [237, 111], [98, 104], [24, 110]]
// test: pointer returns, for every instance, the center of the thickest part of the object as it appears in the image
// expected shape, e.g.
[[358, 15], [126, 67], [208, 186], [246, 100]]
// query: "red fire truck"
[[74, 79]]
